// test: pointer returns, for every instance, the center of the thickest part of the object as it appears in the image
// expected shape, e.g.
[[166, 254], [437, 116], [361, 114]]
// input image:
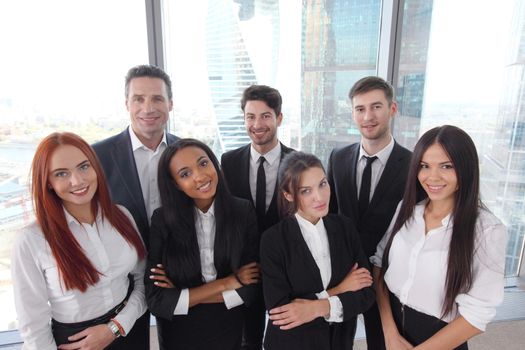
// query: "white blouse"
[[39, 291], [316, 239], [205, 229], [418, 265]]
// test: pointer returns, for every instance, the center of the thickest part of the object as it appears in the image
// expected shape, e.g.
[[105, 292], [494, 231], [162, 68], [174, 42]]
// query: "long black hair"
[[462, 152], [178, 213]]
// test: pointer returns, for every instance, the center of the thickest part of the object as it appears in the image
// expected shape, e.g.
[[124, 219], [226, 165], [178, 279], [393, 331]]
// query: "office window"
[[469, 71], [311, 51], [62, 66]]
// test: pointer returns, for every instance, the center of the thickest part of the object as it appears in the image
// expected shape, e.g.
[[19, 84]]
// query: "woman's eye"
[[204, 163], [184, 174], [60, 174], [84, 166], [324, 183]]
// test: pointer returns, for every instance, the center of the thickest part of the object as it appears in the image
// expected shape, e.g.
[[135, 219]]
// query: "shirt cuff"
[[336, 310], [232, 299], [336, 307], [183, 304]]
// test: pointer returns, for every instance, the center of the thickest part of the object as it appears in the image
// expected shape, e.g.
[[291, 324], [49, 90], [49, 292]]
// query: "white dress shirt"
[[147, 162], [271, 167], [39, 291], [316, 239], [418, 265], [205, 228], [377, 166]]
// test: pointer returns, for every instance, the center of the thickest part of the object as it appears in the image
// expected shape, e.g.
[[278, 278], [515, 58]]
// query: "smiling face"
[[372, 114], [261, 125], [149, 106], [437, 175], [195, 175], [313, 195], [73, 179]]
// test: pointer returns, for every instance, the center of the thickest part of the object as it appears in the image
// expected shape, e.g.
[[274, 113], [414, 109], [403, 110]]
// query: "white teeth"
[[80, 191], [205, 186]]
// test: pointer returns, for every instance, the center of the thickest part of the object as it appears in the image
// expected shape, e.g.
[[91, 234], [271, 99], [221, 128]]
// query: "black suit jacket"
[[206, 326], [388, 192], [116, 156], [289, 271], [236, 169]]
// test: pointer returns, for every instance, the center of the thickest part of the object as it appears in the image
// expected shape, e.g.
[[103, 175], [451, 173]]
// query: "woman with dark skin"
[[203, 253]]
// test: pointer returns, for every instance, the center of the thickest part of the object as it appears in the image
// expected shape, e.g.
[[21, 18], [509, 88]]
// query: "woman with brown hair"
[[70, 267], [316, 278]]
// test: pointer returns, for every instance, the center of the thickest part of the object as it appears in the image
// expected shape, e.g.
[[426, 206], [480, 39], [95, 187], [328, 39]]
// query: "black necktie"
[[364, 191], [260, 193]]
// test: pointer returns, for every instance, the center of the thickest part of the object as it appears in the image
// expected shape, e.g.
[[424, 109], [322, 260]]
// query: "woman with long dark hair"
[[316, 278], [70, 267], [440, 267], [203, 253]]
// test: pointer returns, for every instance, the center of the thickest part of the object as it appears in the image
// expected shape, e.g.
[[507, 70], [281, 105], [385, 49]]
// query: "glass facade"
[[64, 73], [59, 73], [339, 46], [441, 81]]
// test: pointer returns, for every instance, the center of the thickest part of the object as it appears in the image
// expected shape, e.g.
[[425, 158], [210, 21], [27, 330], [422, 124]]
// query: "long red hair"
[[75, 269]]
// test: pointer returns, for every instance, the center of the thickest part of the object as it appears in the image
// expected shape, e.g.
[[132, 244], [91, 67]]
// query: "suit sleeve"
[[250, 292], [276, 288], [357, 302], [330, 176], [161, 301]]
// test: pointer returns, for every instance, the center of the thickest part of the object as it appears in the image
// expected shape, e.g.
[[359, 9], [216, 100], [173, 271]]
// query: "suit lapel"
[[349, 176], [244, 174], [304, 252], [125, 162], [334, 244], [273, 204], [392, 168]]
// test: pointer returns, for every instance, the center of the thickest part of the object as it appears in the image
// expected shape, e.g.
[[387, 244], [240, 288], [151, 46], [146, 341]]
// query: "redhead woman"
[[70, 267], [440, 267], [207, 242], [316, 278]]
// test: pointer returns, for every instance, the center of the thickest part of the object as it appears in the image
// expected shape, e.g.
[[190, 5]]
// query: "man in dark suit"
[[368, 178], [251, 173], [130, 158]]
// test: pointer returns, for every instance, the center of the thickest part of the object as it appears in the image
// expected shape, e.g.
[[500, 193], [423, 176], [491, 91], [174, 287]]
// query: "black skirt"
[[416, 327]]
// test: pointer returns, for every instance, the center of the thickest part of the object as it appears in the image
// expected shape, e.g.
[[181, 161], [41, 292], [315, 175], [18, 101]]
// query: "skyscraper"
[[238, 58], [339, 46]]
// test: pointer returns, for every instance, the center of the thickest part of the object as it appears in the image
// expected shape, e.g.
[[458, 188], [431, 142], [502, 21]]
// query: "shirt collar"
[[273, 155], [70, 219], [210, 212], [303, 223], [136, 143], [419, 212], [382, 155]]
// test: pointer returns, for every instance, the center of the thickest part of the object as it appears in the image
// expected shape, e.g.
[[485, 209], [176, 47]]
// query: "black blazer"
[[116, 156], [206, 326], [289, 271], [341, 171], [236, 169]]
